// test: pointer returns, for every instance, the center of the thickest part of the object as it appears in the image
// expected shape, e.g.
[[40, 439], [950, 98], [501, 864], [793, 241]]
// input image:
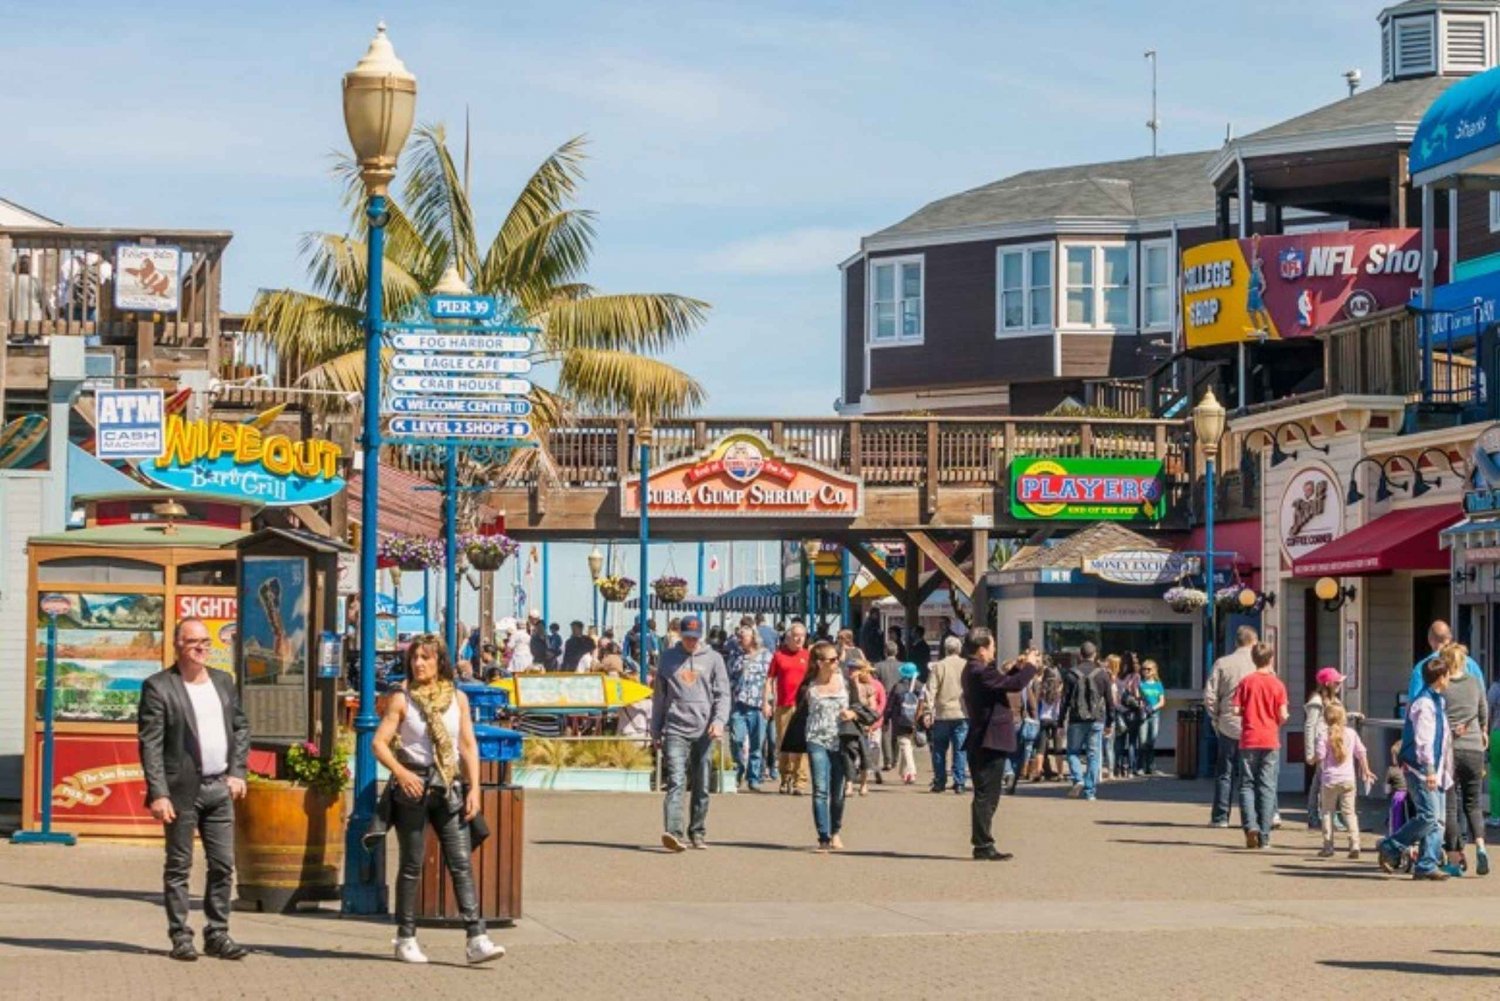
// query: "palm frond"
[[640, 322], [337, 267], [546, 193], [619, 380], [306, 329], [439, 205], [555, 251], [403, 244]]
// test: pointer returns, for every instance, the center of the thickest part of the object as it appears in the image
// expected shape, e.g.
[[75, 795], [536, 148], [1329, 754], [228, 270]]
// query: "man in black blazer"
[[194, 743], [992, 733]]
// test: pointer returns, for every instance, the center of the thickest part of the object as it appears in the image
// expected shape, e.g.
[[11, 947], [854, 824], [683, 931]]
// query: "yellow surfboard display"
[[568, 690]]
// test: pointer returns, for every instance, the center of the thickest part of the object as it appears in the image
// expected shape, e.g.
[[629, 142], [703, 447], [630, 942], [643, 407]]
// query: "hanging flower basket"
[[1186, 599], [410, 552], [615, 588], [488, 552], [1228, 598], [669, 590]]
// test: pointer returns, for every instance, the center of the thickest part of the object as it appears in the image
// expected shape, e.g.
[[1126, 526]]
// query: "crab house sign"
[[743, 475]]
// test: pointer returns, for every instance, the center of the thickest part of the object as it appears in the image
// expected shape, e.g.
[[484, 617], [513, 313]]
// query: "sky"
[[738, 151]]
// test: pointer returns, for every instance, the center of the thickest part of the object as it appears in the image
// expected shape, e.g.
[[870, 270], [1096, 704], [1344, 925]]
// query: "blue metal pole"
[[642, 652], [546, 580], [844, 588], [364, 871], [44, 794], [450, 549], [812, 599], [1208, 559], [700, 567], [426, 601]]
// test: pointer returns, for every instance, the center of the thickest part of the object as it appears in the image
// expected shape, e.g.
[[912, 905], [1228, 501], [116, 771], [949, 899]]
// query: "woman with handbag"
[[903, 711], [426, 738], [861, 741], [823, 715]]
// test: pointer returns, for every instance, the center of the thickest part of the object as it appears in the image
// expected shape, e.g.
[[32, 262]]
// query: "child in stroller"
[[1401, 808]]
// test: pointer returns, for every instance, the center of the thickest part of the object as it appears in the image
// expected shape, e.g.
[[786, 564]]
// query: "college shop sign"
[[743, 475], [1311, 512], [242, 462], [1064, 489]]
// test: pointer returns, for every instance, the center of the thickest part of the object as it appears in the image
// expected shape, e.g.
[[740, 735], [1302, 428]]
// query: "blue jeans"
[[827, 767], [1258, 770], [1086, 739], [949, 733], [1226, 779], [747, 726], [1425, 826], [1150, 728], [683, 756]]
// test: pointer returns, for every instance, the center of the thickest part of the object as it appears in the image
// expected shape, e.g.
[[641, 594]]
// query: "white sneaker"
[[481, 950], [408, 951]]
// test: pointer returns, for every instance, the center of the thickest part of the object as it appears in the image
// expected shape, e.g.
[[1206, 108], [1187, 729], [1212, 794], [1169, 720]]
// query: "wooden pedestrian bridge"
[[945, 475]]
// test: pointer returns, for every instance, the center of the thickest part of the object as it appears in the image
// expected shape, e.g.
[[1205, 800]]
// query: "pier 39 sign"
[[743, 476]]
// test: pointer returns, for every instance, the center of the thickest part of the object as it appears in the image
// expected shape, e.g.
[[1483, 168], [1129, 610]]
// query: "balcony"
[[60, 282]]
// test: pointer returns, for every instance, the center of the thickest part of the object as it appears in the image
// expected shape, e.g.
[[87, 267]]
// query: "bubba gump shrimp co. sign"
[[743, 475]]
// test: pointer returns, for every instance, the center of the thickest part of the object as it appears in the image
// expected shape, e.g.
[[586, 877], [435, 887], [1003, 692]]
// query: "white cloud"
[[792, 252], [661, 91]]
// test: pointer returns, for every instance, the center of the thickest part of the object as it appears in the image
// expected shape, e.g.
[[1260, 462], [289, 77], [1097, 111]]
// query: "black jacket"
[[992, 725], [168, 736]]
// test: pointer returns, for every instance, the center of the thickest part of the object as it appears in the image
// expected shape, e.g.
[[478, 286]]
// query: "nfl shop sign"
[[743, 475], [1281, 287], [1044, 488], [1311, 511]]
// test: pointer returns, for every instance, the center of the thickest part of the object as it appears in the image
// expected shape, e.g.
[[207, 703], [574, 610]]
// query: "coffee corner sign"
[[1311, 511], [742, 475]]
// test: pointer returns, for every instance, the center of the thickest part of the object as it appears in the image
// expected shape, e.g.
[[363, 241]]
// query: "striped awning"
[[691, 603]]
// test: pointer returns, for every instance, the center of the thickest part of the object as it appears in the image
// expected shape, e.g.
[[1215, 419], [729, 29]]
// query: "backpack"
[[1087, 705], [911, 704]]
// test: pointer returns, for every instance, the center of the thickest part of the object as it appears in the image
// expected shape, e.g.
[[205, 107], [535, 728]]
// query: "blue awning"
[[1460, 132], [1462, 309]]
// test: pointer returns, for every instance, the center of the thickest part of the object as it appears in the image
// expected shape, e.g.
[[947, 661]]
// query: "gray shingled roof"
[[1404, 101], [1096, 540], [1122, 189]]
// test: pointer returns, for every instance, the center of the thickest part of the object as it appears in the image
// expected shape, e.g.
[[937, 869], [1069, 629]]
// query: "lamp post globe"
[[1208, 422], [380, 103], [596, 563]]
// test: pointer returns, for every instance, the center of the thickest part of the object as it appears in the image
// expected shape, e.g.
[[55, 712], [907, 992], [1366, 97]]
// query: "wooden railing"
[[60, 282], [916, 452], [1123, 396]]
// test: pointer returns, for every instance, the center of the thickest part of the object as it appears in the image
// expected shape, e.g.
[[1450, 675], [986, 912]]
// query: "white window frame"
[[1406, 26], [1494, 211], [1028, 285], [1165, 246], [900, 340], [1098, 326]]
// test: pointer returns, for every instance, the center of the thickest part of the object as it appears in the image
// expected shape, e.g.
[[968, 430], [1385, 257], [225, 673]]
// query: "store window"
[[1100, 286], [1026, 288], [1156, 302], [896, 301], [1169, 644], [1024, 639]]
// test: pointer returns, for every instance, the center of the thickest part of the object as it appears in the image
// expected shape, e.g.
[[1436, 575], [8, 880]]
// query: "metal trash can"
[[1189, 720], [1208, 744]]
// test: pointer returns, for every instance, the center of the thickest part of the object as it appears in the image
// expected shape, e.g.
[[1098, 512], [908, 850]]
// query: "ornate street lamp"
[[380, 101], [1208, 428], [596, 568], [810, 548]]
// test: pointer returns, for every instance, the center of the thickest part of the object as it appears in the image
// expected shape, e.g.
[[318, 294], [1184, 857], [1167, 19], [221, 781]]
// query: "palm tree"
[[602, 344]]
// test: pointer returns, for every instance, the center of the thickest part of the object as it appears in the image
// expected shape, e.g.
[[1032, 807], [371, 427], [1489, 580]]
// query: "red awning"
[[1242, 538], [1402, 540], [404, 507]]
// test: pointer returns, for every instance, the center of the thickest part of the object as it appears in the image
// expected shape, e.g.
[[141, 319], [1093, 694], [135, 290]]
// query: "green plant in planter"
[[540, 752], [306, 768]]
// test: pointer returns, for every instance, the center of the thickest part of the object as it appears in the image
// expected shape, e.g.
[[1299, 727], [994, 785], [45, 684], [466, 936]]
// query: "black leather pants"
[[444, 809]]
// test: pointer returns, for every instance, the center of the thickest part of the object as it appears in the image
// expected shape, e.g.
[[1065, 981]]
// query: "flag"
[[713, 563]]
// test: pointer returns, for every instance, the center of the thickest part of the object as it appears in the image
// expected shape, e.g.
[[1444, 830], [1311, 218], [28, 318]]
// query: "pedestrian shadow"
[[1150, 823], [608, 845], [140, 896], [1221, 846], [761, 846], [1365, 873], [1407, 966], [1467, 952], [79, 945], [307, 952]]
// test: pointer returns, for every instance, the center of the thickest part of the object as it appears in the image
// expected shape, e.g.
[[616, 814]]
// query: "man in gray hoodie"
[[690, 704]]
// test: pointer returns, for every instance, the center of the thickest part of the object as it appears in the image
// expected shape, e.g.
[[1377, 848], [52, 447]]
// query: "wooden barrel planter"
[[288, 846]]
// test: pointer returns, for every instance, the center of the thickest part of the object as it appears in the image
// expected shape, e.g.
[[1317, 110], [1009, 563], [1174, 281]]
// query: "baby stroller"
[[1400, 812]]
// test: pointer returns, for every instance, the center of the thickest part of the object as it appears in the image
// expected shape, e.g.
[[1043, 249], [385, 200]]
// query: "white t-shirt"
[[213, 739]]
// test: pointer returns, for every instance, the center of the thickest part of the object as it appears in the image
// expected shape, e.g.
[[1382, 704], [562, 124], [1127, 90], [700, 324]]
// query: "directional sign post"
[[466, 406], [461, 307], [52, 605], [461, 364], [448, 427]]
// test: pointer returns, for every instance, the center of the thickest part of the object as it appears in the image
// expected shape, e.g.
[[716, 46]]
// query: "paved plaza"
[[1132, 891]]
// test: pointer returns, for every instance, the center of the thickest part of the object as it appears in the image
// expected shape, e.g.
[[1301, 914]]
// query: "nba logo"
[[1305, 309], [1291, 263]]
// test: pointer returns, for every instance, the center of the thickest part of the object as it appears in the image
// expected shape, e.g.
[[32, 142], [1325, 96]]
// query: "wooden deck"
[[919, 473]]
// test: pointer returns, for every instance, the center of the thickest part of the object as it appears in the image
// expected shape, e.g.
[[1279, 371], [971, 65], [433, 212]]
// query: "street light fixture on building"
[[1208, 428]]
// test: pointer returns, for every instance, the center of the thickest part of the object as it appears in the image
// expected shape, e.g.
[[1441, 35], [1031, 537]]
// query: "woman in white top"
[[426, 738]]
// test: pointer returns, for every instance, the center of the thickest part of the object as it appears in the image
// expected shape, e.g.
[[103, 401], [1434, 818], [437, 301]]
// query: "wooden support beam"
[[928, 587], [877, 569], [314, 521], [941, 560], [932, 469]]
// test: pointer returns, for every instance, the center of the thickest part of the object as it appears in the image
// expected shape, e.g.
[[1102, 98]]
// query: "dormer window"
[[1466, 44], [1415, 46], [1438, 37]]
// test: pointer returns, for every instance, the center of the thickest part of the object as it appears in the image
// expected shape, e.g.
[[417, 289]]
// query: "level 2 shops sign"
[[1311, 512], [1064, 489], [242, 462], [743, 475]]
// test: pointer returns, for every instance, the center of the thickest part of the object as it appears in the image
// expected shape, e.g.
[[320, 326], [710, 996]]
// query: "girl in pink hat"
[[1326, 694]]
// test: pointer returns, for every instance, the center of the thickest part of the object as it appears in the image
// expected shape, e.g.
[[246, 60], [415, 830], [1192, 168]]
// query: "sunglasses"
[[828, 660], [198, 643]]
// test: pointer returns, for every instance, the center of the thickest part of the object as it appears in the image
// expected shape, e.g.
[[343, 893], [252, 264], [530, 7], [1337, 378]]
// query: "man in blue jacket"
[[1438, 636]]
